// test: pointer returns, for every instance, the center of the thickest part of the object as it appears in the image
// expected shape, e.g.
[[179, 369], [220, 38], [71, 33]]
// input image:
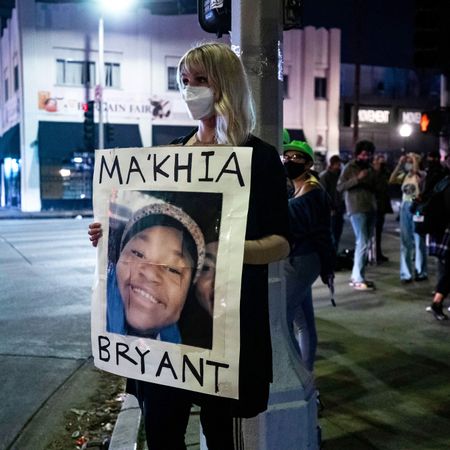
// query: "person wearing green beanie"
[[312, 247]]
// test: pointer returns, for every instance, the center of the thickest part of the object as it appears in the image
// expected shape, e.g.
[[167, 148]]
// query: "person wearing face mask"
[[312, 247], [216, 92], [410, 177], [358, 183]]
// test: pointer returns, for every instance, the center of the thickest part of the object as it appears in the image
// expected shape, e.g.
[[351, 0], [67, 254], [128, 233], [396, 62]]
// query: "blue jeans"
[[301, 272], [363, 225], [409, 242]]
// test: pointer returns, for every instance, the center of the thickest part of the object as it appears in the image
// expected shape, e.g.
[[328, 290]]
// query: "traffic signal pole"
[[291, 419], [101, 82]]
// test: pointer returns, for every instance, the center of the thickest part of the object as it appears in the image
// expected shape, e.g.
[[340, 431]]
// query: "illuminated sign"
[[374, 116], [411, 117]]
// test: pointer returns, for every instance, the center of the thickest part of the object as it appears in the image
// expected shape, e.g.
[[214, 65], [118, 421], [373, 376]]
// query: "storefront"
[[381, 125], [10, 168], [66, 169]]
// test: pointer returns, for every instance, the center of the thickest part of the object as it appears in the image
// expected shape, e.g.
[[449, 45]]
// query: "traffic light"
[[435, 122], [89, 126], [214, 16]]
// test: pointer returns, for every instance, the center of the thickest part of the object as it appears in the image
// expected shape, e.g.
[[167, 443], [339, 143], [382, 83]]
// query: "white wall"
[[311, 53]]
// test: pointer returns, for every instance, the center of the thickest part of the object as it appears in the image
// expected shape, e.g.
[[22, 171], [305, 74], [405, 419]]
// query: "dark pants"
[[337, 225], [166, 413], [379, 224], [443, 284]]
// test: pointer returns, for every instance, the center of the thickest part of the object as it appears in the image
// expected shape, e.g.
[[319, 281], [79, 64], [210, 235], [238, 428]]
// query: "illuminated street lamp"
[[405, 131], [105, 6]]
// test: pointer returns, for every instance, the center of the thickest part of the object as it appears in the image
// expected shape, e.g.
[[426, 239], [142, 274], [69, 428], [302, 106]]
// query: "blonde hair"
[[234, 108]]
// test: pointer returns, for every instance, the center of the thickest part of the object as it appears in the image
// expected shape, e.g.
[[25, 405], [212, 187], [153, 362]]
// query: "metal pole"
[[290, 421], [101, 76], [443, 140]]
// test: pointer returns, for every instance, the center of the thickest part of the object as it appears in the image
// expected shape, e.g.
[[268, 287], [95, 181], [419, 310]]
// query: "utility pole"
[[443, 140], [291, 419]]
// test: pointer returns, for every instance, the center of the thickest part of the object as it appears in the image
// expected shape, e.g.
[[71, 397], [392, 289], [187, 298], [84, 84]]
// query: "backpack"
[[427, 215]]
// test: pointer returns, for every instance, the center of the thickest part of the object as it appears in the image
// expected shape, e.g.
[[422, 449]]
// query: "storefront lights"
[[65, 173]]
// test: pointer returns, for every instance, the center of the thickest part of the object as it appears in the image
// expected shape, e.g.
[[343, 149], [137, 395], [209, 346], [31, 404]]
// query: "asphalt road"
[[46, 273]]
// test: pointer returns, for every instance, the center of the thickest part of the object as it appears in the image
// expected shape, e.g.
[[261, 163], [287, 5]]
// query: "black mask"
[[294, 170], [363, 164]]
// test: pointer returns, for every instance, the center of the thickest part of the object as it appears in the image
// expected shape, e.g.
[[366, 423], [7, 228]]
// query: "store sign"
[[375, 116], [155, 107], [411, 117]]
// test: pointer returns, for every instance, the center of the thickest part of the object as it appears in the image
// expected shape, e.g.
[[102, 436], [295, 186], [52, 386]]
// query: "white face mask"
[[408, 167], [199, 101]]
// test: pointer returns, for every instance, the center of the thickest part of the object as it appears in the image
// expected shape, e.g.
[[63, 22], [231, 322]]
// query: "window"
[[320, 88], [16, 78], [112, 75], [172, 84], [75, 73]]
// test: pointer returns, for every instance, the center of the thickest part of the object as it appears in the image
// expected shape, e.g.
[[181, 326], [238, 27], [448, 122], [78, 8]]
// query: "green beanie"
[[299, 146], [286, 137]]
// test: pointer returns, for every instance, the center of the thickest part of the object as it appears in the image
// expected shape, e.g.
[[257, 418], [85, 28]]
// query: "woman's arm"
[[266, 250]]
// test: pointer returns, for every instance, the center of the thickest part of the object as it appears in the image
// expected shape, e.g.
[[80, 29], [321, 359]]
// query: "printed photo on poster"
[[166, 294], [161, 265]]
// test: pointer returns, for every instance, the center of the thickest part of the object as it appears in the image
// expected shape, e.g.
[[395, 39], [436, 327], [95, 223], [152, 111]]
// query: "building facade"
[[389, 97], [49, 71]]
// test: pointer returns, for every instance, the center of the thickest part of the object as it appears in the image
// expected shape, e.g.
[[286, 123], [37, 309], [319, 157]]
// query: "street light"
[[105, 5], [405, 130]]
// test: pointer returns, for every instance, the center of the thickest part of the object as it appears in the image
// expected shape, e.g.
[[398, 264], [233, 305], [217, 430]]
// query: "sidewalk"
[[382, 362]]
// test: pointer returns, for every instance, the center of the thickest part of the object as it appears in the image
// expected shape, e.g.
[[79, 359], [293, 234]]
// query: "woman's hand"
[[95, 233]]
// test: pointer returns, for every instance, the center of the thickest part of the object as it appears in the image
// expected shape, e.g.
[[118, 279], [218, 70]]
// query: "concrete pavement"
[[382, 363]]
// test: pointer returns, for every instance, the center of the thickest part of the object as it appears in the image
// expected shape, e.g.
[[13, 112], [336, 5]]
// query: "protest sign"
[[166, 296]]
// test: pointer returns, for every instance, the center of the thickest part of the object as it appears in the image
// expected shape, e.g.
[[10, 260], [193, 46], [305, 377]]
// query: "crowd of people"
[[303, 229]]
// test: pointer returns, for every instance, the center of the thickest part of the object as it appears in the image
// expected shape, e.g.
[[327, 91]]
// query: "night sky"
[[387, 26]]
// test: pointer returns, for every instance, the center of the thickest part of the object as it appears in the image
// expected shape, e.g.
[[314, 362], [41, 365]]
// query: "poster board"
[[165, 306]]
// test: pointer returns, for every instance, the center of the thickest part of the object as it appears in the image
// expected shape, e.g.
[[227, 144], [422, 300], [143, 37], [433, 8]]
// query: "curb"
[[126, 429]]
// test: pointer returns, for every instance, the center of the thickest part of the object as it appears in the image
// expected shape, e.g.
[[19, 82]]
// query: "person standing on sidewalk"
[[359, 184], [408, 174], [312, 247], [215, 88], [328, 179], [383, 203], [439, 246]]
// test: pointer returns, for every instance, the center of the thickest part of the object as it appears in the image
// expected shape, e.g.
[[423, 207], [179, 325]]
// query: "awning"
[[10, 143], [59, 140]]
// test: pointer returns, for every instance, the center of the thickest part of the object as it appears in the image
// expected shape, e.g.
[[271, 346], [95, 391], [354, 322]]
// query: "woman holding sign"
[[216, 91]]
